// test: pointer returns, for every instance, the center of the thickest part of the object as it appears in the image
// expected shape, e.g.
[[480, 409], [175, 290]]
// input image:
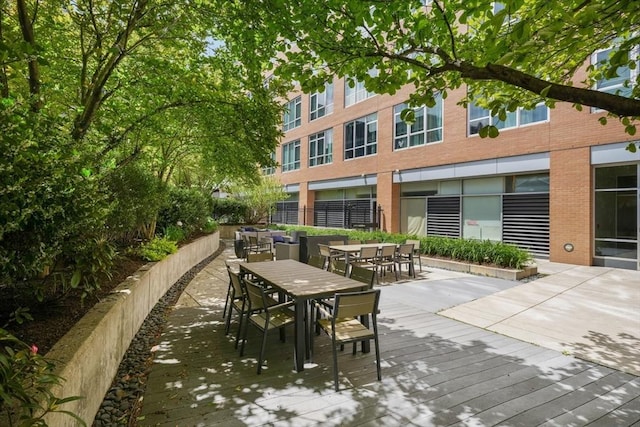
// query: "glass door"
[[616, 219]]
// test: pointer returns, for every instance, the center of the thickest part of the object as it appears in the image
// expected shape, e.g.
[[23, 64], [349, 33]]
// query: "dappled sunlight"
[[435, 371]]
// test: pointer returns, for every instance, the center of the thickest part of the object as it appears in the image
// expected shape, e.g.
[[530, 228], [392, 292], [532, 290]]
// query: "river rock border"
[[89, 355]]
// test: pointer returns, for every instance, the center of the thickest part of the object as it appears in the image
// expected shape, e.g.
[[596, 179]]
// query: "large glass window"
[[354, 90], [616, 212], [291, 156], [480, 117], [293, 114], [481, 218], [361, 137], [321, 103], [527, 183], [426, 128], [615, 84], [321, 148]]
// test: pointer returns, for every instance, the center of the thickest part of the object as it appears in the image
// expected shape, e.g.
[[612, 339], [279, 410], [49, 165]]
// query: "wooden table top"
[[356, 248], [301, 280]]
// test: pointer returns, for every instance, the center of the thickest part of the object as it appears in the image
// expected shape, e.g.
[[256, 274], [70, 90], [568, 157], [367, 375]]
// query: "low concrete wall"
[[481, 270], [88, 356]]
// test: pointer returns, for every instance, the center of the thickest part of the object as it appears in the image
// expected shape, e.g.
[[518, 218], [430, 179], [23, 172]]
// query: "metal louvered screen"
[[443, 216], [285, 213], [329, 213], [341, 213], [525, 222]]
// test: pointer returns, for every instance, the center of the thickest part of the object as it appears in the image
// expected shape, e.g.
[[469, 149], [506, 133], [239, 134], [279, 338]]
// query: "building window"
[[291, 156], [293, 114], [426, 128], [616, 215], [321, 103], [622, 83], [270, 170], [354, 90], [321, 148], [480, 117], [361, 137]]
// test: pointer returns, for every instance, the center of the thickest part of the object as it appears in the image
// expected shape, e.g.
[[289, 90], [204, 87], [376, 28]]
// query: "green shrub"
[[157, 249], [187, 208], [210, 226], [230, 210], [136, 196], [174, 232], [468, 250], [26, 381]]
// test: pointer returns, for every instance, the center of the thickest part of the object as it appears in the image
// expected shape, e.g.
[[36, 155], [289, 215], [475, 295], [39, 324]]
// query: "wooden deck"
[[435, 372]]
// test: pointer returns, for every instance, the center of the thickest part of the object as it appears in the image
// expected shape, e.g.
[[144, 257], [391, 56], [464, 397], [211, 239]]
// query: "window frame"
[[327, 107], [410, 132], [613, 89], [289, 120], [493, 120], [290, 149], [368, 147], [324, 137]]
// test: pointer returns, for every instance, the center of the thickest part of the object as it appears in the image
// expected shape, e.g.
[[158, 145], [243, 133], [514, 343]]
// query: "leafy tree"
[[91, 88], [261, 198], [526, 52]]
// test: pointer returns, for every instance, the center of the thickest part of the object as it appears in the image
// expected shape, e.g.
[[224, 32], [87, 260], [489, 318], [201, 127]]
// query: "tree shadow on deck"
[[435, 371]]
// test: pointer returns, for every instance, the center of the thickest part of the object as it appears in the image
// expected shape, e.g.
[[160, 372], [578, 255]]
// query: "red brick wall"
[[571, 198]]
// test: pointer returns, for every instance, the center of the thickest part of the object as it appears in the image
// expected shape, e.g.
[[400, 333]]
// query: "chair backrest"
[[369, 252], [324, 250], [415, 243], [387, 251], [255, 295], [339, 267], [316, 261], [336, 242], [364, 275], [253, 240], [354, 304], [353, 242], [405, 249], [372, 241], [259, 257], [235, 283]]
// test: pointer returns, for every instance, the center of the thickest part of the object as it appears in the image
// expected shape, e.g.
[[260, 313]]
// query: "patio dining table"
[[302, 283], [349, 250]]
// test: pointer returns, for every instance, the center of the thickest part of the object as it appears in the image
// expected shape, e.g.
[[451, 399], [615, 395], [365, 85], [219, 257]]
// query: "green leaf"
[[493, 131], [75, 278]]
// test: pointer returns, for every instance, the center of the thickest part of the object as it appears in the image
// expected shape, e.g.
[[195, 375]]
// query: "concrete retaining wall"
[[481, 270], [88, 356]]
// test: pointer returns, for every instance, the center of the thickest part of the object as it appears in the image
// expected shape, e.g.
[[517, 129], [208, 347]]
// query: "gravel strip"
[[122, 402]]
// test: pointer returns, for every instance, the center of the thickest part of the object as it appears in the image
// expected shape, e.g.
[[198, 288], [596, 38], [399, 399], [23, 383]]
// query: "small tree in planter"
[[261, 198]]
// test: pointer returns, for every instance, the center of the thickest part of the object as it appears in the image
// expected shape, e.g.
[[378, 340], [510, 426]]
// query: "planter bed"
[[481, 270]]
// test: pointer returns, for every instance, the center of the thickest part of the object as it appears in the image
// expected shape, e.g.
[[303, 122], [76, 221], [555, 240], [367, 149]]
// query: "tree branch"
[[34, 70]]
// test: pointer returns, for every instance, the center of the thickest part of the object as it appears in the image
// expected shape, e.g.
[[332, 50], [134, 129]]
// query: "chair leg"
[[378, 359], [262, 349], [240, 323], [245, 324], [226, 301], [335, 366]]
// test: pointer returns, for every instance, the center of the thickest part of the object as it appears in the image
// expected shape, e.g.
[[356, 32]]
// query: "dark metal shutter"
[[285, 213], [328, 213], [443, 216], [525, 222]]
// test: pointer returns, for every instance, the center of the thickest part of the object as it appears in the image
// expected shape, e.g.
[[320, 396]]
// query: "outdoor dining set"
[[333, 292]]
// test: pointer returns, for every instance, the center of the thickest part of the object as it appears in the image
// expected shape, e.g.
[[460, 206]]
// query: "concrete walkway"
[[590, 312]]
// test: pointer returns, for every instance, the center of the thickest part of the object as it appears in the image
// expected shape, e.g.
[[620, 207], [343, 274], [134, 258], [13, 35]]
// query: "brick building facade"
[[555, 182]]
